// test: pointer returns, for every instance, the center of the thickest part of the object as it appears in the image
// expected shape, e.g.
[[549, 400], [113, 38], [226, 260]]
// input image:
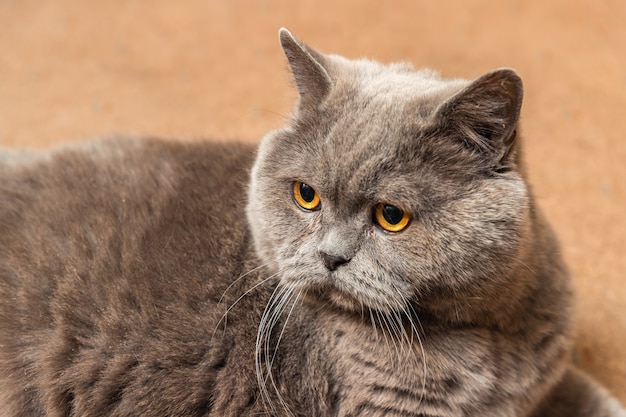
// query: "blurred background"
[[71, 70]]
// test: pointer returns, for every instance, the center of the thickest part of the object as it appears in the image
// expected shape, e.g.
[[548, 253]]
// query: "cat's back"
[[99, 243], [116, 195]]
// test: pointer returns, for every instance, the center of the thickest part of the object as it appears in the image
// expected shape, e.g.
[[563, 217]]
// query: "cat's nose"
[[332, 262]]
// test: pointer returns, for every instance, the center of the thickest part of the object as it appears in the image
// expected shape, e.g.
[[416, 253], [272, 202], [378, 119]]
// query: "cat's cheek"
[[408, 257], [300, 264], [309, 222], [399, 250]]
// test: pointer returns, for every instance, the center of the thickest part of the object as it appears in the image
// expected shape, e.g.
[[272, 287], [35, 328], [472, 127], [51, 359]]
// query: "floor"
[[72, 69]]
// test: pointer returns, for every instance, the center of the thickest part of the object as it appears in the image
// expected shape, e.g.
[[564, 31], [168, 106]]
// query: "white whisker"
[[385, 337], [259, 341], [285, 324], [241, 297], [277, 304], [410, 313], [401, 332], [271, 362], [239, 279], [373, 322]]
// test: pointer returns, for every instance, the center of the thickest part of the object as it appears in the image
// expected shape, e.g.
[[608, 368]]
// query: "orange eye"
[[305, 196], [391, 218]]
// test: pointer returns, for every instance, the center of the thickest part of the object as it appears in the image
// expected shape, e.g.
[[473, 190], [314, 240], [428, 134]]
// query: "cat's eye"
[[391, 218], [305, 196]]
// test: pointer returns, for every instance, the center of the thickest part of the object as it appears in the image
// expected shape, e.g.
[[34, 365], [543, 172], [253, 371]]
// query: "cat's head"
[[391, 184]]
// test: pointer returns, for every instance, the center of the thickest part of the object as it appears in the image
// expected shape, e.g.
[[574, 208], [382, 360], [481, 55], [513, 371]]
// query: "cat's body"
[[131, 282]]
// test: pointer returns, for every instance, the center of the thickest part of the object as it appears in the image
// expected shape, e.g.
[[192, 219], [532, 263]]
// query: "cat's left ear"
[[485, 114]]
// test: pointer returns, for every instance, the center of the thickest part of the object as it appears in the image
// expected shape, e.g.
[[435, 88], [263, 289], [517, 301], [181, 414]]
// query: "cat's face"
[[376, 195]]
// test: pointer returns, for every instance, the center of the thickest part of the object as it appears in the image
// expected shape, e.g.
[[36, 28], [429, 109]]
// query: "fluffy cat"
[[381, 255]]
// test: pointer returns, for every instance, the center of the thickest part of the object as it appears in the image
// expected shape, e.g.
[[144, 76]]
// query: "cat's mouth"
[[346, 300], [341, 299], [345, 291]]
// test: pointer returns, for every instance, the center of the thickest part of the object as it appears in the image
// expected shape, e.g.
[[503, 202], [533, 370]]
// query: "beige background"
[[70, 70]]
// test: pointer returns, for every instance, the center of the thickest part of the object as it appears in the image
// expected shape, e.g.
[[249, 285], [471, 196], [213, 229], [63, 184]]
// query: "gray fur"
[[132, 284]]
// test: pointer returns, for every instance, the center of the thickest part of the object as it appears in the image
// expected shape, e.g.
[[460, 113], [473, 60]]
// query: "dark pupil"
[[307, 192], [392, 214]]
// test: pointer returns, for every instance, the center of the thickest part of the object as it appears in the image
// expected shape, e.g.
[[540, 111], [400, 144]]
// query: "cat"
[[380, 255]]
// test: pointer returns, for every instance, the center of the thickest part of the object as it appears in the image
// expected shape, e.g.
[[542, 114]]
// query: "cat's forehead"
[[396, 82], [365, 160], [371, 103], [374, 106]]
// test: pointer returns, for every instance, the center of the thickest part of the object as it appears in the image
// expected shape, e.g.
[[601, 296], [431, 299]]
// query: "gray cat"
[[381, 256]]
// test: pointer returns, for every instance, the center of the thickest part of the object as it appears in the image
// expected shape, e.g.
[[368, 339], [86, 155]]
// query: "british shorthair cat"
[[380, 255]]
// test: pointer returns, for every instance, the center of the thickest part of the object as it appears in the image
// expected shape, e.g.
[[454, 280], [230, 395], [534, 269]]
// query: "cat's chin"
[[339, 299]]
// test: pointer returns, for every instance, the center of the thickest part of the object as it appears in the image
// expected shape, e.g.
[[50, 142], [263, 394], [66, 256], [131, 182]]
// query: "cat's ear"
[[485, 114], [307, 65]]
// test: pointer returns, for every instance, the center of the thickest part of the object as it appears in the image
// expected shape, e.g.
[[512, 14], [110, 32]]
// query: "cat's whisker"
[[373, 322], [282, 116], [272, 312], [401, 332], [278, 301], [362, 311], [385, 336], [239, 279], [283, 296], [260, 343], [410, 313], [287, 299], [241, 297], [394, 336], [398, 316], [297, 297], [389, 311], [390, 330]]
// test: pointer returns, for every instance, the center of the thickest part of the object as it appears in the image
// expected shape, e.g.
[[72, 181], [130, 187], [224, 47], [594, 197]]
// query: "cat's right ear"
[[307, 65]]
